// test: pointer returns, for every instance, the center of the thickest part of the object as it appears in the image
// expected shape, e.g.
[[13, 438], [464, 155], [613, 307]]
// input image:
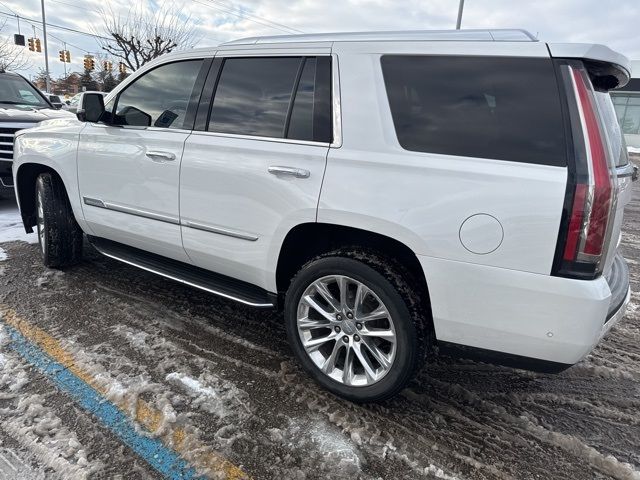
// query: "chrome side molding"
[[96, 202], [220, 230]]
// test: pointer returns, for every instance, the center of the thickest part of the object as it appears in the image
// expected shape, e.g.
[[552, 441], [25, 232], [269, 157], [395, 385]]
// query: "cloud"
[[614, 23]]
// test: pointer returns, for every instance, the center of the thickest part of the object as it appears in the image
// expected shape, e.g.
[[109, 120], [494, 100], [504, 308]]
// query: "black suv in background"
[[22, 105]]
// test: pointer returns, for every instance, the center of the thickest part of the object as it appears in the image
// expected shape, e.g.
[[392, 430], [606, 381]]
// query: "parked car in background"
[[390, 192], [55, 100], [22, 105], [73, 103]]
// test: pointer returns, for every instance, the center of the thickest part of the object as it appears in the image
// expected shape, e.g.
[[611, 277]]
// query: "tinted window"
[[15, 90], [253, 95], [301, 122], [490, 107], [159, 98]]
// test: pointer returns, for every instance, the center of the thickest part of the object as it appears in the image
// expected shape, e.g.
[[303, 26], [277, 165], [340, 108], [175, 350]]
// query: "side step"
[[211, 282]]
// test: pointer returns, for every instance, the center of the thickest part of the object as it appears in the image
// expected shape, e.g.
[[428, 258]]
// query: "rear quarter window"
[[491, 107]]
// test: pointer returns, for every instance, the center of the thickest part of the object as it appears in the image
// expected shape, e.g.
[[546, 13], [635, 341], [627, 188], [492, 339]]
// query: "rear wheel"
[[355, 325], [59, 235]]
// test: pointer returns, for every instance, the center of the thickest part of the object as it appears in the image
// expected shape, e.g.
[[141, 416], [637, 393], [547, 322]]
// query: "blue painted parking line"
[[152, 450]]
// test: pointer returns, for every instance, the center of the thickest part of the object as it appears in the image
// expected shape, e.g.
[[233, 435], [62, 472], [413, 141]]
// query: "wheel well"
[[26, 188], [308, 240]]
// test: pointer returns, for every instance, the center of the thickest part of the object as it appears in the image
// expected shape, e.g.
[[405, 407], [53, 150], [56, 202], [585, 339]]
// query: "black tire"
[[393, 285], [59, 235]]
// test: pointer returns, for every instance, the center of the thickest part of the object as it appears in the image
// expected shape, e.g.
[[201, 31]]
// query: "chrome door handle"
[[295, 172], [161, 156]]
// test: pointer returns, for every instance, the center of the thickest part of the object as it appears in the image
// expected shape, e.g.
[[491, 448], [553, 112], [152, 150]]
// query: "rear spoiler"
[[608, 69]]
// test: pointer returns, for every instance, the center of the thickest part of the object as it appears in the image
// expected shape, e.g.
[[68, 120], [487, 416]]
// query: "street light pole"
[[46, 50], [460, 7]]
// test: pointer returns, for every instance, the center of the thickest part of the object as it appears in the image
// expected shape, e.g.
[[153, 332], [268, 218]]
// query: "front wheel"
[[355, 325], [59, 235]]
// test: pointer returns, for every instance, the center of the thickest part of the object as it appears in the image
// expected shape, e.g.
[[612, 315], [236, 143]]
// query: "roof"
[[489, 35]]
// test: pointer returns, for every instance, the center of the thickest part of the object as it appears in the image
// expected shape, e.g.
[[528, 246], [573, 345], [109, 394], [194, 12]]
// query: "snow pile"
[[35, 426], [326, 446], [11, 228], [214, 395], [3, 254]]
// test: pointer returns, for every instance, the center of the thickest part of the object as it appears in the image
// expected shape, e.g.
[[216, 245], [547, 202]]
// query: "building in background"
[[627, 103]]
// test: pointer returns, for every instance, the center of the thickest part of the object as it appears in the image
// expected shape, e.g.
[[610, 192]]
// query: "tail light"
[[585, 241]]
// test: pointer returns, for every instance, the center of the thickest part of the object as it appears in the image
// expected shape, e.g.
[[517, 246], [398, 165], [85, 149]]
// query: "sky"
[[613, 23]]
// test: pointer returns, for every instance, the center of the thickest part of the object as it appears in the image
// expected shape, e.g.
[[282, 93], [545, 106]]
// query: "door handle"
[[161, 156], [294, 172]]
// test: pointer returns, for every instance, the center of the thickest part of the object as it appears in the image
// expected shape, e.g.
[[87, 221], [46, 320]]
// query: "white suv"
[[391, 192]]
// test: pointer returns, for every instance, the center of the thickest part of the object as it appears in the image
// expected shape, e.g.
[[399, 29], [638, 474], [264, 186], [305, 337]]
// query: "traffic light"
[[32, 44], [89, 62], [107, 65], [38, 47], [67, 56], [122, 68], [62, 56]]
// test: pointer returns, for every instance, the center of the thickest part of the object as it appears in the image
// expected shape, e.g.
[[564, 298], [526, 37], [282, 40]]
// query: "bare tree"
[[12, 57], [142, 35]]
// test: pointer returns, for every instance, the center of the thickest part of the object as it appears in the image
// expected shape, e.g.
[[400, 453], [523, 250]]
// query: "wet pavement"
[[217, 383]]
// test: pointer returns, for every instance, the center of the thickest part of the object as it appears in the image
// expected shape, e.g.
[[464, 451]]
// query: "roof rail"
[[486, 35]]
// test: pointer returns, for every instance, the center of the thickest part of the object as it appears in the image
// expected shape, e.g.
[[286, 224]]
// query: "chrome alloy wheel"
[[40, 219], [346, 330]]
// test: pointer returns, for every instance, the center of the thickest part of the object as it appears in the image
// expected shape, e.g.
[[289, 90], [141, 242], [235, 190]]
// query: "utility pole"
[[46, 51], [65, 60], [458, 23]]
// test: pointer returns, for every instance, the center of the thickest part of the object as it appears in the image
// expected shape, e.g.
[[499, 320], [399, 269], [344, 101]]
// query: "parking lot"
[[107, 371]]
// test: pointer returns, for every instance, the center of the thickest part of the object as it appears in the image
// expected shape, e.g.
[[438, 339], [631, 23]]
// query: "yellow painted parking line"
[[187, 445]]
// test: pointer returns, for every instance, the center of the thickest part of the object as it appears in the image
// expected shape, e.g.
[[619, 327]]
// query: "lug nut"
[[359, 326], [345, 339], [339, 317], [349, 315], [356, 338], [337, 329]]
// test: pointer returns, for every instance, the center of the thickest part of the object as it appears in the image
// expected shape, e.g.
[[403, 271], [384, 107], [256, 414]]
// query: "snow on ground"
[[224, 374], [31, 422], [11, 228]]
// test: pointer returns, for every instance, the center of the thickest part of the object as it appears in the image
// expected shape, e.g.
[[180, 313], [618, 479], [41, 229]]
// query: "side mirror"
[[68, 102], [91, 107]]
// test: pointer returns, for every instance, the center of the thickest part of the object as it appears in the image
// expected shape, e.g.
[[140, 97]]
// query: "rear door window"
[[491, 107], [253, 96], [278, 97]]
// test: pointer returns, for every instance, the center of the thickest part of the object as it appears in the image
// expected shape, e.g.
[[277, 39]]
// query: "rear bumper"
[[535, 319]]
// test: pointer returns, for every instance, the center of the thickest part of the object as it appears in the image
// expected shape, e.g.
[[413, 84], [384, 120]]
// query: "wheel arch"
[[307, 240], [26, 190]]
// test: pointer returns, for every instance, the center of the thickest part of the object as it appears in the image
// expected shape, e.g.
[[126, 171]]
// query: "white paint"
[[512, 311], [481, 234], [504, 300]]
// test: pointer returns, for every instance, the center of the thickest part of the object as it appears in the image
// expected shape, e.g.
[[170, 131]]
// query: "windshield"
[[15, 90]]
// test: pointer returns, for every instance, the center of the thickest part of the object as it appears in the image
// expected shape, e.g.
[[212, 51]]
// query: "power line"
[[9, 8], [75, 6], [247, 16], [60, 27]]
